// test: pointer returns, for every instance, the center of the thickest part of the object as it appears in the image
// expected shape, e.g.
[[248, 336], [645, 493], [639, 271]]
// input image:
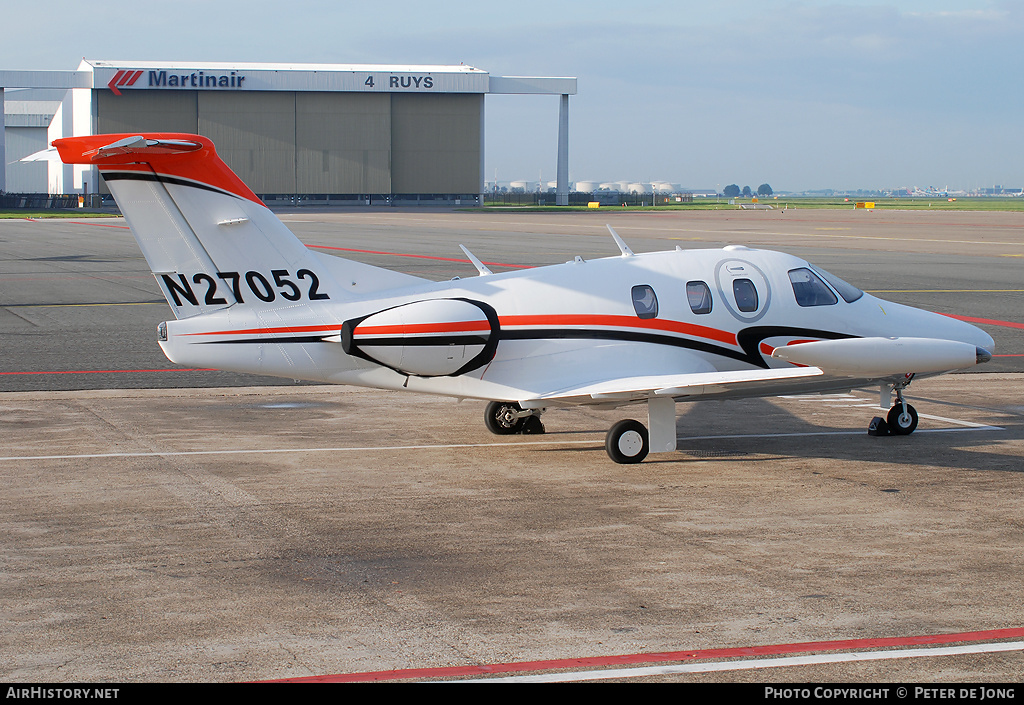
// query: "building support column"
[[562, 183], [3, 142]]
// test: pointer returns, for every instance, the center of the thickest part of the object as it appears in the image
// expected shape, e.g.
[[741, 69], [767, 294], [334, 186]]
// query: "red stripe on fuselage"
[[523, 321], [611, 321], [417, 328], [334, 328]]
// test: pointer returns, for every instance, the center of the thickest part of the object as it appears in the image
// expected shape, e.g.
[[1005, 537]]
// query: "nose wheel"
[[902, 419]]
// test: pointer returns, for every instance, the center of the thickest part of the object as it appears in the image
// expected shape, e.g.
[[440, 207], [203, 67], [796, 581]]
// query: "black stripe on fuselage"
[[424, 341], [749, 339], [629, 336], [250, 341]]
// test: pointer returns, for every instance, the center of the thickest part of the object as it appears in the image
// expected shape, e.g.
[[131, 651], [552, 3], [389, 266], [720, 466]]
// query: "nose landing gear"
[[902, 417]]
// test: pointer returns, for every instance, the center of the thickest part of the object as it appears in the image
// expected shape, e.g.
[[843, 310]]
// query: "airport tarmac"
[[207, 526]]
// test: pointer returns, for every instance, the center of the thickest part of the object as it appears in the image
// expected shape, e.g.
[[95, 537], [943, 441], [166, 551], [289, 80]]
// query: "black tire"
[[500, 418], [901, 424], [627, 442]]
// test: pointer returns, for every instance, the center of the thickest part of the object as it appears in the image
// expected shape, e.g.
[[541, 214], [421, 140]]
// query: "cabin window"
[[849, 292], [809, 289], [698, 295], [645, 302], [746, 295]]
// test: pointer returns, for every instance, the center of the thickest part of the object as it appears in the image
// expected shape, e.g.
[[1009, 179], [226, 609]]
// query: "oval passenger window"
[[746, 295], [645, 302], [698, 295]]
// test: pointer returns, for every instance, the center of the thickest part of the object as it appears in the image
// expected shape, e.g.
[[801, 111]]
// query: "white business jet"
[[653, 328]]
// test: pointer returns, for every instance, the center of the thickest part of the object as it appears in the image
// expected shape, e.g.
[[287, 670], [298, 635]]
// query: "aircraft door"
[[743, 288]]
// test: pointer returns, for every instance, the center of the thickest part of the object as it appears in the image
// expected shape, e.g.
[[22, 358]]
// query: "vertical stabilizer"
[[209, 240]]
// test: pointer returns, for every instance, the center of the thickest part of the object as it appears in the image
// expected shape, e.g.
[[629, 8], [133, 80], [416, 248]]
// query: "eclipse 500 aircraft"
[[653, 328]]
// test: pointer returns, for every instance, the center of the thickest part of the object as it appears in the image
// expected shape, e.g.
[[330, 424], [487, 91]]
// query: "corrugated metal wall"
[[320, 143], [435, 143], [25, 177], [344, 142], [152, 111], [255, 136]]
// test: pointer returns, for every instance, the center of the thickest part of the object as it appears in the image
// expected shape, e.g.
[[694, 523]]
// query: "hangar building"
[[319, 133]]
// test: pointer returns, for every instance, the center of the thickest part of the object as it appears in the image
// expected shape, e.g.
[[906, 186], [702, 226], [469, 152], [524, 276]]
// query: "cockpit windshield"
[[848, 291]]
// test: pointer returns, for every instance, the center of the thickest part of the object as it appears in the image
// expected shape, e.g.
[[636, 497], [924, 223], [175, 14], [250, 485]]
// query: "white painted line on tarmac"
[[969, 424], [752, 664], [257, 451], [975, 427], [450, 446]]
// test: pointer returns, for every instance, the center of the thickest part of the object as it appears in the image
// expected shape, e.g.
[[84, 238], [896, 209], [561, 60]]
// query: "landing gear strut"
[[902, 417], [505, 418], [629, 441]]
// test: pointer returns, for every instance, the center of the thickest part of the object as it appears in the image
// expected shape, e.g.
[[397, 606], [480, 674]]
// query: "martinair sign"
[[161, 79], [227, 78]]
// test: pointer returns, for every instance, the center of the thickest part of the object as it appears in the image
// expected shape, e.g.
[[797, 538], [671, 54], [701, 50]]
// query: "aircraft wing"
[[626, 389]]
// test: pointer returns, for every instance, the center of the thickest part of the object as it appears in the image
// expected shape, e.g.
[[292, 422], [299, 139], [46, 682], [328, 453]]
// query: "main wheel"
[[902, 423], [627, 442], [502, 418]]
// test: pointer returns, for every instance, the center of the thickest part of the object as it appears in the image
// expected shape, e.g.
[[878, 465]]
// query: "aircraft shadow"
[[758, 430]]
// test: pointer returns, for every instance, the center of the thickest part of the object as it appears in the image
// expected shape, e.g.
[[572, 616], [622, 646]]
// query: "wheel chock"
[[878, 427]]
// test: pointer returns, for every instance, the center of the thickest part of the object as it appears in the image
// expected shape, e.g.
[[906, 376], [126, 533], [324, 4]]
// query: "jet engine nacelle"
[[432, 338], [882, 357]]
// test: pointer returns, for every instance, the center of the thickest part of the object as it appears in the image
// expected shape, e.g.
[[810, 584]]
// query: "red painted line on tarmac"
[[985, 321], [773, 649], [78, 222], [403, 254], [100, 225], [112, 372]]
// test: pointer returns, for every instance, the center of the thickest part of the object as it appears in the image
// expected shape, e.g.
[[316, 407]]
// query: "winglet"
[[623, 247], [480, 266]]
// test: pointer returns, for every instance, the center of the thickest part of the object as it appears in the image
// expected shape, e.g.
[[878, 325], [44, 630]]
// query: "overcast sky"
[[799, 95]]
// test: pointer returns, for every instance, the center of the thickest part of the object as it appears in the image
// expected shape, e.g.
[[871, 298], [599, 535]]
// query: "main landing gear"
[[627, 442], [902, 417], [505, 418]]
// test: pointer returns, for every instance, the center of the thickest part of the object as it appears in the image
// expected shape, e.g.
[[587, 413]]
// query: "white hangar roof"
[[387, 78]]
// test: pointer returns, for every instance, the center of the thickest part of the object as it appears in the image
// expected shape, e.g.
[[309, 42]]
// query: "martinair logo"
[[161, 79], [123, 78]]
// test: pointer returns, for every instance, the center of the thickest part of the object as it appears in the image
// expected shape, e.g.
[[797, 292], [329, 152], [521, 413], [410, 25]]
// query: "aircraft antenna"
[[623, 247], [480, 266]]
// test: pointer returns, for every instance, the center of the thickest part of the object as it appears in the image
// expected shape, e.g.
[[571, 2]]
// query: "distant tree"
[[747, 192], [731, 191], [764, 190]]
